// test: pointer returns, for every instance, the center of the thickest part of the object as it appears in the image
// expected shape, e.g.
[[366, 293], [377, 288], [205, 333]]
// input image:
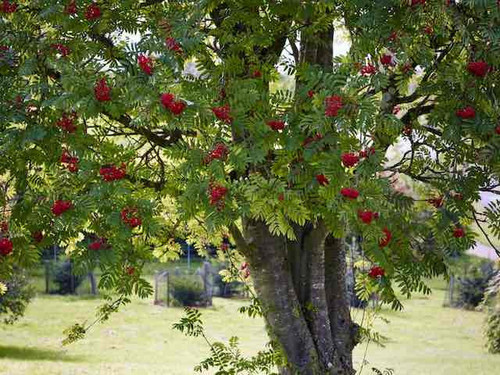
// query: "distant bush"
[[19, 293], [67, 282], [472, 288], [188, 291]]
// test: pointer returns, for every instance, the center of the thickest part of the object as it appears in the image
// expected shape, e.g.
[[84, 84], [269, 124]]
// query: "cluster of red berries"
[[349, 193], [6, 246], [146, 64], [4, 227], [100, 243], [322, 179], [7, 7], [310, 93], [436, 201], [458, 232], [173, 45], [276, 124], [417, 2], [256, 74], [102, 91], [130, 216], [367, 216], [176, 107], [366, 153], [61, 48], [71, 162], [216, 195], [388, 59], [384, 241], [219, 152], [332, 105], [67, 122], [466, 112], [312, 139], [429, 30], [61, 206], [70, 8], [223, 113], [349, 159], [478, 68], [112, 173], [376, 272], [92, 12], [37, 236], [368, 70]]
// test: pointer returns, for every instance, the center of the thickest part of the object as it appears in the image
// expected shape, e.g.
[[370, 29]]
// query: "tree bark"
[[306, 308]]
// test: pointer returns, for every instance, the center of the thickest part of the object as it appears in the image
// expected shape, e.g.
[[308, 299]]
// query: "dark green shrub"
[[188, 291], [66, 280], [19, 293], [472, 288]]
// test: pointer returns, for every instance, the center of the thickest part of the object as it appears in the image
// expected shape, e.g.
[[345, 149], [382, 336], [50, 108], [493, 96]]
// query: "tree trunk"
[[306, 308]]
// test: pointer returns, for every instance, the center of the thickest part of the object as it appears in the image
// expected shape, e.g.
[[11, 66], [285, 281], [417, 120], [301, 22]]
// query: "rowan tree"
[[139, 121]]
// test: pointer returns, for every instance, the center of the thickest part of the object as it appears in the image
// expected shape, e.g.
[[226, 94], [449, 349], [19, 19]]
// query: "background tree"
[[104, 131]]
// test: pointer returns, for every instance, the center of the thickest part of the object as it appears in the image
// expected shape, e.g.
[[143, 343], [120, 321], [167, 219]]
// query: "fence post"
[[93, 288], [168, 288], [47, 276]]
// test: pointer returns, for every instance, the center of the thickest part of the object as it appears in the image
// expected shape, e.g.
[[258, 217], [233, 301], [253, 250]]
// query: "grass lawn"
[[423, 339]]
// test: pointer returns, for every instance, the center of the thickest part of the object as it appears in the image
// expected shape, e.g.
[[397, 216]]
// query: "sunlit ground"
[[424, 339]]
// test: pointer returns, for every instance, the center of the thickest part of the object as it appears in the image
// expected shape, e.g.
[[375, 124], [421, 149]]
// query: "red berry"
[[310, 93], [92, 12], [366, 153], [349, 159], [256, 74], [276, 124], [417, 2], [366, 216], [478, 68], [102, 91], [497, 129], [130, 217], [172, 45], [219, 152], [332, 105], [368, 70], [70, 8], [386, 239], [458, 232], [376, 272], [61, 48], [61, 206], [112, 173], [429, 30], [67, 122], [349, 193], [8, 7], [322, 179], [407, 130], [135, 222], [5, 246], [281, 197], [37, 236], [146, 64], [223, 113], [387, 59], [177, 107], [466, 112], [436, 202], [130, 270], [72, 167], [217, 194], [4, 226], [393, 37], [167, 99]]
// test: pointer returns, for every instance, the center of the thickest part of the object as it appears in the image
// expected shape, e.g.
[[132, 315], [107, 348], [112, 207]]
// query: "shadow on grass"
[[34, 354]]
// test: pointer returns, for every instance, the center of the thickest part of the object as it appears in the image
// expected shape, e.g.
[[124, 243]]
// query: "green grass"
[[424, 339]]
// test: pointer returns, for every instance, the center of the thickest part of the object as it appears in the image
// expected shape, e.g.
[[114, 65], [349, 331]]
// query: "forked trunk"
[[302, 288]]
